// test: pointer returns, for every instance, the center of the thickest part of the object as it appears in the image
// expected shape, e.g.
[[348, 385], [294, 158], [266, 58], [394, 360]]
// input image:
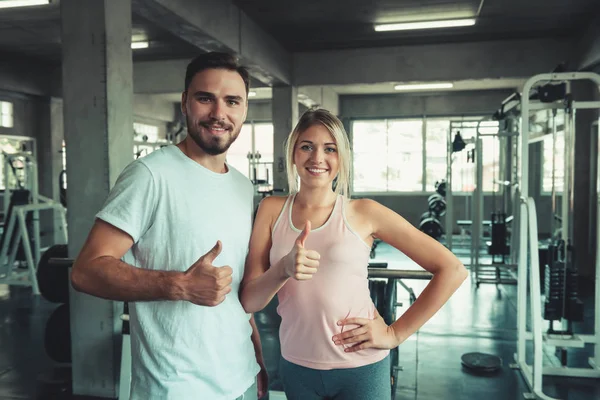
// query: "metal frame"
[[16, 227], [534, 373], [482, 273]]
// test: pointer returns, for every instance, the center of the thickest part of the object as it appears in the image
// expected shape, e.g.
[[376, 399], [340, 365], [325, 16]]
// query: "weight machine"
[[260, 173], [22, 206], [558, 300], [497, 271]]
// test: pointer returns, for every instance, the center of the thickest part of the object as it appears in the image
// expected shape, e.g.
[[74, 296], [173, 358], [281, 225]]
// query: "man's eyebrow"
[[234, 97], [205, 94], [201, 93]]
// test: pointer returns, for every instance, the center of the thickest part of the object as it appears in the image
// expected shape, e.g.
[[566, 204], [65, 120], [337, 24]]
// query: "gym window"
[[145, 139], [410, 155], [388, 155], [145, 132], [6, 114], [542, 122], [252, 152], [12, 145]]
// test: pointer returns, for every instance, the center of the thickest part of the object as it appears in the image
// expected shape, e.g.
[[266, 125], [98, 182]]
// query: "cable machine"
[[557, 302]]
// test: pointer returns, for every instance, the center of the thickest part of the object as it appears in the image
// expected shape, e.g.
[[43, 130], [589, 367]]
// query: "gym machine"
[[383, 287], [498, 270], [430, 219], [22, 206], [558, 300]]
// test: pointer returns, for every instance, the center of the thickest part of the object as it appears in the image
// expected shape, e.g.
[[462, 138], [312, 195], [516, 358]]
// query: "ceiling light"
[[251, 94], [425, 86], [139, 45], [449, 23], [22, 3]]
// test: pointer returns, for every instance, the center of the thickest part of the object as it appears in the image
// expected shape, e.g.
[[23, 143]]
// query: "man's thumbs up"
[[213, 253], [207, 285]]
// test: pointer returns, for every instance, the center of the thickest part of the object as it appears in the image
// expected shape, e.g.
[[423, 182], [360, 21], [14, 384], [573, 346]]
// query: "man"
[[172, 239]]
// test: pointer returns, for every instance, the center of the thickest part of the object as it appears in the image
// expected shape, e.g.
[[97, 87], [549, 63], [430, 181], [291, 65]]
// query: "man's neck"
[[215, 163]]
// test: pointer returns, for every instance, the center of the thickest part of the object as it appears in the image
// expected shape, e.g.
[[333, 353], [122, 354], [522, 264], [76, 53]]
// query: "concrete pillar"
[[98, 122], [322, 96], [49, 157], [330, 100], [285, 117]]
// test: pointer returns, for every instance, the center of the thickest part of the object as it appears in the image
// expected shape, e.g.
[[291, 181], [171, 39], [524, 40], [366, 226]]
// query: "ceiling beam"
[[440, 62], [219, 25]]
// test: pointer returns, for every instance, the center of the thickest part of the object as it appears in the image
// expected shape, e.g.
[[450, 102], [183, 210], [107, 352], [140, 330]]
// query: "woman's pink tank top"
[[340, 289]]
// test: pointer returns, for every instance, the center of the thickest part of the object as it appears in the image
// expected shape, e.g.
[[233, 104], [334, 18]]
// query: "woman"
[[312, 249]]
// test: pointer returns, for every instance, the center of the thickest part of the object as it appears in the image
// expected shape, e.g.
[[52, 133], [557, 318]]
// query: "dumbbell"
[[437, 204]]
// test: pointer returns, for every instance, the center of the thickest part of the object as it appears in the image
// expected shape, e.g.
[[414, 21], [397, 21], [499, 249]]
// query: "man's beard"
[[215, 145]]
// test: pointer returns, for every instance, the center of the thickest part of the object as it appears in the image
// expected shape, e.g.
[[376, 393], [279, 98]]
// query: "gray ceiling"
[[35, 32], [302, 25], [306, 25]]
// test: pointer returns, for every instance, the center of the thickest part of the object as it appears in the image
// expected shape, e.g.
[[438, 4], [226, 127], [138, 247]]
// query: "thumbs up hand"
[[207, 285], [301, 264]]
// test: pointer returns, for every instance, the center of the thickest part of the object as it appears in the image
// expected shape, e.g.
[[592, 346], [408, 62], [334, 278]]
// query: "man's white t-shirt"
[[175, 210]]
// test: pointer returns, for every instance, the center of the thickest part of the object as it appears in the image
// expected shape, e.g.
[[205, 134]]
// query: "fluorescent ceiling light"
[[251, 94], [22, 3], [425, 86], [139, 45], [449, 23]]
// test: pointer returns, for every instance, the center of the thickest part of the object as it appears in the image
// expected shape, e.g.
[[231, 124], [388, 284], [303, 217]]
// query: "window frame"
[[253, 124], [424, 190]]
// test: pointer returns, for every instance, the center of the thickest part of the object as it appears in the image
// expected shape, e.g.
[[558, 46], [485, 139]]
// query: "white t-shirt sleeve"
[[131, 204]]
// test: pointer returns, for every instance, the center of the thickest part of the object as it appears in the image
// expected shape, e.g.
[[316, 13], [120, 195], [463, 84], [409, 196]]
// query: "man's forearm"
[[113, 279]]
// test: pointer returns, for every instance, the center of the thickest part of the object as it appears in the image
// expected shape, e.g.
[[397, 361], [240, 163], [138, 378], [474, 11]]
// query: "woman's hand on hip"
[[370, 333]]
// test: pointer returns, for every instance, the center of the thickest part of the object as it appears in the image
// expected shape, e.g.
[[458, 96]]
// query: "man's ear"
[[246, 111], [183, 102]]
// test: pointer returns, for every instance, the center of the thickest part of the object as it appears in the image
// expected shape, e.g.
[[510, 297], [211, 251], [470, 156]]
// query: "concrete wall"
[[147, 107], [432, 104], [260, 110], [445, 61]]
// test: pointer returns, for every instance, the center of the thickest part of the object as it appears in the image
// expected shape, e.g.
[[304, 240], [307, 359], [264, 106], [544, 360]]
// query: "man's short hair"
[[216, 60]]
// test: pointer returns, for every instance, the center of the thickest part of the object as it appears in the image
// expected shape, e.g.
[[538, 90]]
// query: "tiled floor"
[[475, 320]]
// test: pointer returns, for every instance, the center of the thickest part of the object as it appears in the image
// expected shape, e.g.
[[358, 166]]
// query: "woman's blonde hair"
[[333, 124]]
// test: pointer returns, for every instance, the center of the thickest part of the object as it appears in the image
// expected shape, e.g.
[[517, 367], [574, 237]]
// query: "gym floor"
[[475, 320]]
